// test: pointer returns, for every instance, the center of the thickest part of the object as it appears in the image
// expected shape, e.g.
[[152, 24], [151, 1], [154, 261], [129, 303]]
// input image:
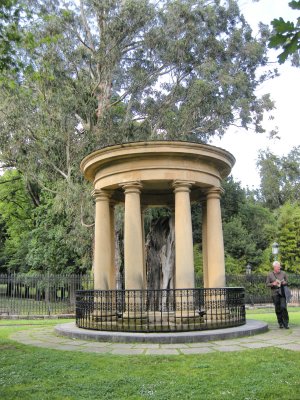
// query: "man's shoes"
[[286, 327], [281, 326]]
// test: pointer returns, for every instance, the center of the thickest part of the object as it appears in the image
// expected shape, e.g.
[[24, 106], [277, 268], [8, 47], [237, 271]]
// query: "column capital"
[[132, 187], [182, 186], [214, 192], [100, 194]]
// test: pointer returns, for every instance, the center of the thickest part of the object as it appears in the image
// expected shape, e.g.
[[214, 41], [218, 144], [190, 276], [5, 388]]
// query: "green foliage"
[[98, 73], [198, 262], [197, 222], [259, 222], [10, 11], [59, 243], [239, 243], [233, 265], [247, 227], [41, 233], [16, 220], [290, 166], [142, 71], [233, 198], [266, 260], [236, 238], [287, 36], [289, 236], [280, 178], [269, 166]]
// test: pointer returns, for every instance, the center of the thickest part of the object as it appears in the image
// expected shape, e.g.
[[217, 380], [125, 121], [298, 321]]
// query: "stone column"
[[113, 246], [103, 243], [133, 237], [204, 243], [215, 244], [184, 256]]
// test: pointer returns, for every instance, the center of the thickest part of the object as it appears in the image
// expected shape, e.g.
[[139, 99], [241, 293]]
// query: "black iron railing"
[[40, 294], [160, 310], [46, 294]]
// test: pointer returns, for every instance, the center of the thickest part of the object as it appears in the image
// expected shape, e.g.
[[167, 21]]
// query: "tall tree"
[[180, 69], [103, 72], [270, 178], [280, 180], [290, 166], [288, 236]]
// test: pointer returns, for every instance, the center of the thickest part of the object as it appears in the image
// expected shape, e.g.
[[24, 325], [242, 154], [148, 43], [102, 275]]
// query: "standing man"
[[276, 280]]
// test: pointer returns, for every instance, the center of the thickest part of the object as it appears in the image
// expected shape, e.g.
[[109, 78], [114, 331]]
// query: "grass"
[[28, 372], [35, 307], [268, 315]]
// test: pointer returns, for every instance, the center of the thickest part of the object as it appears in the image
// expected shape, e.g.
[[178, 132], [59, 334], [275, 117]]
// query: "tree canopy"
[[134, 69], [10, 35], [82, 75]]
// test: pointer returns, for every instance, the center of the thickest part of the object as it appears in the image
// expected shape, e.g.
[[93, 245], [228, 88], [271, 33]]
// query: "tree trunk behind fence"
[[160, 254], [118, 259]]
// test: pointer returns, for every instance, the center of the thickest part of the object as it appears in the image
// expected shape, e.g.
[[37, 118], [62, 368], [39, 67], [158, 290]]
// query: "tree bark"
[[160, 254]]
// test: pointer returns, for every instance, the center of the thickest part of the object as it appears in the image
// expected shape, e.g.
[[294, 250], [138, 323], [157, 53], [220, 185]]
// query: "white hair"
[[276, 264]]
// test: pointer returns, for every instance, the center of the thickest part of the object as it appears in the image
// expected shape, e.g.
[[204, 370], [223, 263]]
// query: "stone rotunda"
[[171, 174]]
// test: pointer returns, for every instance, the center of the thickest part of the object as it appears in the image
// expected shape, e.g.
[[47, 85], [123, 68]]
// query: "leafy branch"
[[287, 35]]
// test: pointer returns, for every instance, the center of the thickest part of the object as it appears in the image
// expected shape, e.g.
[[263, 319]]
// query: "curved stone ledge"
[[252, 327]]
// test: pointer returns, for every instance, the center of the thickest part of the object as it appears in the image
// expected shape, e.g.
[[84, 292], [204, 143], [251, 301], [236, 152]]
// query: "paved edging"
[[46, 338]]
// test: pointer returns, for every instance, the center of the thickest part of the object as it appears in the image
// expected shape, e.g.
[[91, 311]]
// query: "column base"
[[190, 318], [104, 317], [135, 315]]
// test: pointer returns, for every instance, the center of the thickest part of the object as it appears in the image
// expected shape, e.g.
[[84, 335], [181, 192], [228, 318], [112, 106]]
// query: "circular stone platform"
[[252, 327]]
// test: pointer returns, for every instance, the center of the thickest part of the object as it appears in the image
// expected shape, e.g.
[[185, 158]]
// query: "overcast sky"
[[284, 90]]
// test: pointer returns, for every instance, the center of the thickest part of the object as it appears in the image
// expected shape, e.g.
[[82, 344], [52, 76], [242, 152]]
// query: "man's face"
[[276, 268]]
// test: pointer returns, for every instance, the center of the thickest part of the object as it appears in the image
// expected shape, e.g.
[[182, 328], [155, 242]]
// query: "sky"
[[284, 90]]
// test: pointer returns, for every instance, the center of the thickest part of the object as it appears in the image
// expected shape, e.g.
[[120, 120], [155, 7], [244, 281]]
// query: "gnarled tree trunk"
[[160, 258]]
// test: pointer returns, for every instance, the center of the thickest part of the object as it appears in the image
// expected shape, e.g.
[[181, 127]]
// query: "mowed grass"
[[28, 372], [268, 315]]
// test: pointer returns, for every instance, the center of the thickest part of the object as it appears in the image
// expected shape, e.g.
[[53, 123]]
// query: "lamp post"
[[248, 269], [275, 250]]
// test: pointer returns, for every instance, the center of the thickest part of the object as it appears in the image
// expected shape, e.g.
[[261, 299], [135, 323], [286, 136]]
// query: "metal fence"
[[46, 294], [172, 310], [256, 291], [26, 295]]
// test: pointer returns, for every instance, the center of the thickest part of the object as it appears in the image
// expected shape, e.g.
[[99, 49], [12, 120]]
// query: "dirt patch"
[[7, 347]]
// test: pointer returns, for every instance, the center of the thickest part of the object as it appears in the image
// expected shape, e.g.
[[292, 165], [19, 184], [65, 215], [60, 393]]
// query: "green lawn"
[[35, 307], [33, 373], [268, 315]]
